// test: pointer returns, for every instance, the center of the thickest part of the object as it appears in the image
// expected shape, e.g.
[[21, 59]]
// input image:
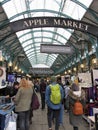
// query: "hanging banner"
[[2, 77], [57, 49], [36, 22]]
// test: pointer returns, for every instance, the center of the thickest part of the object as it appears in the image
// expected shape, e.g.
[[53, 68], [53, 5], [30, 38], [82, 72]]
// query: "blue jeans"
[[61, 115], [53, 114], [43, 100], [24, 120]]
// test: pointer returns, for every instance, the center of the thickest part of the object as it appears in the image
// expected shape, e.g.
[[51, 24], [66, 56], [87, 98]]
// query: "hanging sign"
[[59, 49], [36, 22]]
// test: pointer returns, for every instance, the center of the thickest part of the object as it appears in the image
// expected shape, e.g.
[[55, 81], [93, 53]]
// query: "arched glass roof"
[[31, 39]]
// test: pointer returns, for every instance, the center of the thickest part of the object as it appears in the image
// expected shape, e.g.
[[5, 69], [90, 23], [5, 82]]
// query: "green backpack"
[[55, 96]]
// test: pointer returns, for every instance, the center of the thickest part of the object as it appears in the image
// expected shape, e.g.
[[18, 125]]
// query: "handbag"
[[35, 101]]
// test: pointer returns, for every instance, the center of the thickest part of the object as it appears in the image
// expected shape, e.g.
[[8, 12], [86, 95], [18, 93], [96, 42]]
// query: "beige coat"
[[23, 99]]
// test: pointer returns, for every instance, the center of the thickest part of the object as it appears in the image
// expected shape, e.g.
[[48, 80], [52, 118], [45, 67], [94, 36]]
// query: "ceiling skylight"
[[32, 38]]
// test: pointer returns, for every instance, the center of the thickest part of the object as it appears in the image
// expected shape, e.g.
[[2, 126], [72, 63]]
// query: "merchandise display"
[[6, 107], [91, 95]]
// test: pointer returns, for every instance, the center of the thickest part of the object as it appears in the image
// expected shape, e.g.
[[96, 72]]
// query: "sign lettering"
[[36, 22]]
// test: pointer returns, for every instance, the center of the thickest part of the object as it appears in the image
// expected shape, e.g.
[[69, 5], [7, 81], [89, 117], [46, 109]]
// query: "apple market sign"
[[36, 22]]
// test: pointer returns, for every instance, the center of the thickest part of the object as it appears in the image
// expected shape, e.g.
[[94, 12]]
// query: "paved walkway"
[[39, 121]]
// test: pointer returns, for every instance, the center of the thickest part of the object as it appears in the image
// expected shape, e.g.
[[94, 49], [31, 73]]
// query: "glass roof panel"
[[75, 10], [65, 33], [31, 39], [46, 4]]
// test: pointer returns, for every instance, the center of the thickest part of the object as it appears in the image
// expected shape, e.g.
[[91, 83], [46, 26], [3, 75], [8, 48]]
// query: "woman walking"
[[74, 95], [22, 104]]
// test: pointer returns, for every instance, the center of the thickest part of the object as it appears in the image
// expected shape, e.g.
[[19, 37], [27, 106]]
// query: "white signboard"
[[95, 74], [85, 77]]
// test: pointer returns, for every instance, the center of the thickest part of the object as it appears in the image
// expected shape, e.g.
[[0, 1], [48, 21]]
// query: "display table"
[[92, 120], [5, 109]]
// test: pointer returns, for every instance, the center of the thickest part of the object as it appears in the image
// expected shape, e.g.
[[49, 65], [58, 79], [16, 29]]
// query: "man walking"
[[42, 93], [53, 97]]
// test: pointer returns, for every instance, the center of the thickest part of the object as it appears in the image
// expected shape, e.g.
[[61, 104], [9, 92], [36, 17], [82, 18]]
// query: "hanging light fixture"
[[82, 65], [10, 64], [94, 61], [15, 68], [75, 69], [69, 71], [19, 70], [65, 72], [1, 58]]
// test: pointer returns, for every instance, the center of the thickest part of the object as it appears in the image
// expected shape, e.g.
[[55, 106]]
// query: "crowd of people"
[[67, 94]]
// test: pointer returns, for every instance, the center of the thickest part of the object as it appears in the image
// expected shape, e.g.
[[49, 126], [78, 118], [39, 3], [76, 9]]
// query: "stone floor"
[[39, 121]]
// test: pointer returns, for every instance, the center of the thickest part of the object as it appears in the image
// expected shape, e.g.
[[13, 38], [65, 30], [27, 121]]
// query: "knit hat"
[[74, 87], [53, 79]]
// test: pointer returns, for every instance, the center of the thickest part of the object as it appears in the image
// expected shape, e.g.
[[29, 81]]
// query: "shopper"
[[22, 104], [62, 107], [14, 89], [53, 109], [30, 83], [66, 93], [75, 94], [42, 93]]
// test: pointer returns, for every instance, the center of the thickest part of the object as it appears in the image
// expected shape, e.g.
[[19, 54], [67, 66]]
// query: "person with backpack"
[[61, 115], [75, 103], [53, 97]]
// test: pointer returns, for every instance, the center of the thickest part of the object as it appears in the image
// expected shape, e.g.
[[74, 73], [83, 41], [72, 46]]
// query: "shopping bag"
[[35, 102], [12, 122], [11, 126]]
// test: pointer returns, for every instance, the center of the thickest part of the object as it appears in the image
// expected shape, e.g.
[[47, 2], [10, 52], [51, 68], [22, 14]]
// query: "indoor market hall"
[[48, 64]]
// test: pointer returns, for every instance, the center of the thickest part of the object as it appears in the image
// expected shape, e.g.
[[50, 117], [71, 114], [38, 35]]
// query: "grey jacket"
[[74, 120], [23, 99]]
